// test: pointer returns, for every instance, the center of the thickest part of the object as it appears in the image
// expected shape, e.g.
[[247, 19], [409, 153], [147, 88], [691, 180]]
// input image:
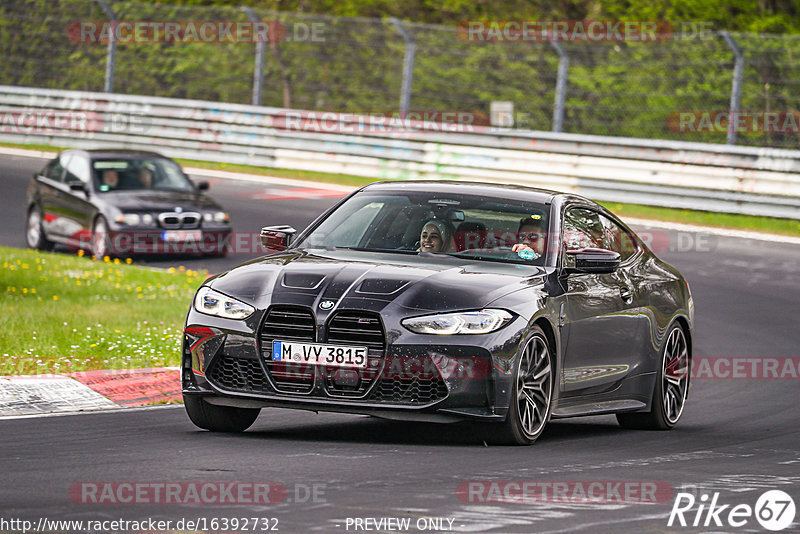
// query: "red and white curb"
[[88, 390]]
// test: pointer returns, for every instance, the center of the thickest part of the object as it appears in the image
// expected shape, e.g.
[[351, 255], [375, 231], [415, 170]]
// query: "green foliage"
[[614, 88]]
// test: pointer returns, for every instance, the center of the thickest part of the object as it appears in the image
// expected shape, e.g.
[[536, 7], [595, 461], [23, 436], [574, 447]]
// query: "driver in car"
[[110, 178], [435, 236], [531, 235]]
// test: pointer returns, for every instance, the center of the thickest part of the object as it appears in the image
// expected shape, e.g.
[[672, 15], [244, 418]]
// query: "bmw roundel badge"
[[326, 304]]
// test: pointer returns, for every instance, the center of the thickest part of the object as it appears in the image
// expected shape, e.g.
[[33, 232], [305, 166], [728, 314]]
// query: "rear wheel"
[[672, 387], [218, 418], [34, 234], [532, 397]]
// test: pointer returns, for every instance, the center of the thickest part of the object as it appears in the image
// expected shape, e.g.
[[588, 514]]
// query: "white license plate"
[[176, 236], [319, 354]]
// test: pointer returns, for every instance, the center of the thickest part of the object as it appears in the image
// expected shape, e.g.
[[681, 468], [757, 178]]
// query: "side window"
[[618, 239], [54, 170], [77, 169], [582, 229]]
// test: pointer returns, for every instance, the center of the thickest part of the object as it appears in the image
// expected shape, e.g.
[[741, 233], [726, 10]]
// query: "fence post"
[[261, 50], [736, 87], [408, 66], [111, 54], [561, 85]]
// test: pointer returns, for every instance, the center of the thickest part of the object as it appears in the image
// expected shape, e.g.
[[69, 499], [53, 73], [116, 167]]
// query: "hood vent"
[[381, 287], [302, 280]]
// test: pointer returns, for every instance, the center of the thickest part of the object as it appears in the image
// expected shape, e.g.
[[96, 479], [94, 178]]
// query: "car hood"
[[440, 283], [159, 200]]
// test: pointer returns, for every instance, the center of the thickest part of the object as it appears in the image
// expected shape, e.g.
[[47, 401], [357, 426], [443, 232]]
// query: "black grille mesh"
[[289, 323], [355, 328], [238, 374]]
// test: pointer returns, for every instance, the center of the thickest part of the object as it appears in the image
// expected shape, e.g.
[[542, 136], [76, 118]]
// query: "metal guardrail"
[[732, 179]]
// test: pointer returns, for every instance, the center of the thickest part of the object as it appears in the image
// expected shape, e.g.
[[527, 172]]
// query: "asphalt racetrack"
[[737, 437]]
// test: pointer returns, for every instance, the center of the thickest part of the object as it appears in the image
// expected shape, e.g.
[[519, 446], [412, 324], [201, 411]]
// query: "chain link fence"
[[681, 87]]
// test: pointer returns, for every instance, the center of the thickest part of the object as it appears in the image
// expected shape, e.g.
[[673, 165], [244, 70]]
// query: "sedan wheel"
[[34, 234], [533, 392], [100, 238], [671, 389], [218, 418]]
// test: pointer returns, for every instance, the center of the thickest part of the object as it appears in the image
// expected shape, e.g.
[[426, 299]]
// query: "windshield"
[[476, 227], [139, 174]]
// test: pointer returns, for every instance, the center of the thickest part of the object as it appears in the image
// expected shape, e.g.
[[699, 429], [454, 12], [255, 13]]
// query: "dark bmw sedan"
[[445, 301], [122, 202]]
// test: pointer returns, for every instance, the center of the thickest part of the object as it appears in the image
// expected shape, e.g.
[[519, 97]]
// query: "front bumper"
[[419, 377]]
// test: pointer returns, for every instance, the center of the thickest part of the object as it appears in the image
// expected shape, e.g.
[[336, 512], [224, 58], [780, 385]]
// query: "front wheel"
[[34, 233], [100, 239], [671, 390], [218, 418], [532, 397]]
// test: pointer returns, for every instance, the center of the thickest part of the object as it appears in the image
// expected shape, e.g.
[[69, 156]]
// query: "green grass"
[[64, 313], [751, 223], [771, 225]]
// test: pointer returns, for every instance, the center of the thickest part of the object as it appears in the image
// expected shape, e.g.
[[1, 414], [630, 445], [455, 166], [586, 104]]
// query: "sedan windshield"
[[468, 226], [139, 174]]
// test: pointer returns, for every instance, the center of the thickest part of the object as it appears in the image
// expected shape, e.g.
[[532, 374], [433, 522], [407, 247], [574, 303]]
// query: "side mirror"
[[591, 260], [77, 186], [203, 186], [276, 238]]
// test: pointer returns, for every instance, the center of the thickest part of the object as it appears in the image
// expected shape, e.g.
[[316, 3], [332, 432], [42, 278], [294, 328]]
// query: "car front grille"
[[386, 380], [288, 323], [177, 221], [355, 328]]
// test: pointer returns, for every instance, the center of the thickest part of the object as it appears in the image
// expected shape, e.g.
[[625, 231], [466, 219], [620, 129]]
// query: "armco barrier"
[[754, 181]]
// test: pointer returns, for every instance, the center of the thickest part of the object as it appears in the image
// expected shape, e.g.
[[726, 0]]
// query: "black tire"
[[671, 389], [218, 418], [34, 231], [533, 387], [101, 243]]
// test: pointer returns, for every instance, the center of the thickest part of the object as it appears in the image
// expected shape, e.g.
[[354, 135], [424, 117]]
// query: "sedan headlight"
[[131, 219], [213, 302], [472, 322], [216, 216], [134, 219]]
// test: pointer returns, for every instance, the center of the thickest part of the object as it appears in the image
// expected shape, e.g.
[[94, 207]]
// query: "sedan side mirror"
[[276, 238], [203, 186], [77, 186], [591, 260]]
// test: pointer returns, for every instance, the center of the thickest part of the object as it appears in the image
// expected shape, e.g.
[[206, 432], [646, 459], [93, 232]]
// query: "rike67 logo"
[[774, 510]]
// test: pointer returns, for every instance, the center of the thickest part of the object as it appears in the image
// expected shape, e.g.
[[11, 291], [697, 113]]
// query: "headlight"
[[147, 219], [217, 216], [131, 219], [474, 322], [213, 302]]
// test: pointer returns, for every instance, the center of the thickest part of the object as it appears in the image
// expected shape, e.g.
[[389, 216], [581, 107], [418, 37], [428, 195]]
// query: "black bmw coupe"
[[445, 301], [122, 202]]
